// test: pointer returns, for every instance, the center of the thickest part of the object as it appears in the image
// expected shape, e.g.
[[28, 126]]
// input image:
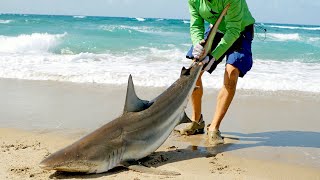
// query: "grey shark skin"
[[140, 130]]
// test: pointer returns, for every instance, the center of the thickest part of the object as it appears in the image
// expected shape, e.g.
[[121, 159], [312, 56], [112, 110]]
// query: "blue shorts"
[[238, 55]]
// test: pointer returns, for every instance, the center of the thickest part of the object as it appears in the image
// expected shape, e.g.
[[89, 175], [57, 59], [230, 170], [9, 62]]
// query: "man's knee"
[[231, 77]]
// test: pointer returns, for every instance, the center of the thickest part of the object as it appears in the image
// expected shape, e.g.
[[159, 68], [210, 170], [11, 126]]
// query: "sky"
[[268, 11]]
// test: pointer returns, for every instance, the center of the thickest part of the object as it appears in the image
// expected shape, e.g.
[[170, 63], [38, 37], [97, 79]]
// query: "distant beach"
[[62, 77]]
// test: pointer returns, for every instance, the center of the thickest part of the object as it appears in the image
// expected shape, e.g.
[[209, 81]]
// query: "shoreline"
[[293, 93], [275, 134]]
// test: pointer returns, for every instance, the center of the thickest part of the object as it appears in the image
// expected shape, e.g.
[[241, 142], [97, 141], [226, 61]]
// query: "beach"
[[62, 77], [268, 134]]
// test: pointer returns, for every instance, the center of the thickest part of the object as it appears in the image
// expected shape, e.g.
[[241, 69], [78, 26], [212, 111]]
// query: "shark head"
[[89, 154], [70, 159]]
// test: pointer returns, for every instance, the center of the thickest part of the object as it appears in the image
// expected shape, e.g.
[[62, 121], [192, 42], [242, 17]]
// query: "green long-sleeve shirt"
[[237, 18]]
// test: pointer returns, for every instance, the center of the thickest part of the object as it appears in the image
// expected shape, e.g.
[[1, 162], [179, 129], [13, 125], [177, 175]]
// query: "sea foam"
[[296, 27], [29, 43], [186, 22], [155, 68], [130, 29], [79, 17], [140, 19], [5, 21], [284, 37]]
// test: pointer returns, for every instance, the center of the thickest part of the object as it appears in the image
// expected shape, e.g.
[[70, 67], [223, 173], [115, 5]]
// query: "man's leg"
[[197, 125], [225, 97], [196, 100]]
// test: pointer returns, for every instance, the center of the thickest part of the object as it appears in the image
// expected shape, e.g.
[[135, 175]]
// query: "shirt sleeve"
[[196, 24], [233, 20]]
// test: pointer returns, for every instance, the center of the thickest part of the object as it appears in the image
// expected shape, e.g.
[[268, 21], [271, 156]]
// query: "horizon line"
[[284, 23]]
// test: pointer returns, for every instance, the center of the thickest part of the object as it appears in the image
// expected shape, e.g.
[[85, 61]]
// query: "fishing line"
[[260, 32]]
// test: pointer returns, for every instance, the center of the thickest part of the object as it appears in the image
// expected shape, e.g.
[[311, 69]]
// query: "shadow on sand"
[[69, 175], [173, 154], [270, 139], [274, 139], [155, 160]]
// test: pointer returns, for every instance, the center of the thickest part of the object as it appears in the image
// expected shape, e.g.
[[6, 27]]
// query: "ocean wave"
[[283, 37], [140, 19], [296, 27], [152, 67], [271, 75], [79, 17], [186, 22], [33, 43], [5, 21], [130, 29], [314, 39], [156, 68]]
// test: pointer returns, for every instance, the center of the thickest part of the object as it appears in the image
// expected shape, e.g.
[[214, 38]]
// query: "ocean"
[[106, 50]]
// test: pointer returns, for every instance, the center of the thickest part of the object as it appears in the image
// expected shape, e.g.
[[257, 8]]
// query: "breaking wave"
[[29, 43], [5, 21]]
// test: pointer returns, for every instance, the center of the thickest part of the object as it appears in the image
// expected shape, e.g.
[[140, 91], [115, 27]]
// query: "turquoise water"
[[100, 34], [108, 49]]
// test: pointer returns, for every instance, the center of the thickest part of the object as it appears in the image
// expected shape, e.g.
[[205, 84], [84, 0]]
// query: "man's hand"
[[207, 62], [198, 50]]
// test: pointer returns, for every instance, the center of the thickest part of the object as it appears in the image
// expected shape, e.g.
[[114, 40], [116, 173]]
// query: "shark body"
[[140, 130]]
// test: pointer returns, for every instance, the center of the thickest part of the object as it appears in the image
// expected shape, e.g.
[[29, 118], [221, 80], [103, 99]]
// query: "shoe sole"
[[215, 144]]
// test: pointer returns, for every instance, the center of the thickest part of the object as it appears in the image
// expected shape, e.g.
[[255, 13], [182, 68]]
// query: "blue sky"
[[276, 11]]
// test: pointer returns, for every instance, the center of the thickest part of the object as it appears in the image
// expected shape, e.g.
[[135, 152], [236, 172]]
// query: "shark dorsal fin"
[[133, 103]]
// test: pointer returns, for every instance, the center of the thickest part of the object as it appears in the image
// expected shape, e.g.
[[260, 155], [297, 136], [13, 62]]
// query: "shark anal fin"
[[133, 103]]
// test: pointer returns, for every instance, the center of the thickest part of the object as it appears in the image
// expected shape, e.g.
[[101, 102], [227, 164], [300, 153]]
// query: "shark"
[[142, 128]]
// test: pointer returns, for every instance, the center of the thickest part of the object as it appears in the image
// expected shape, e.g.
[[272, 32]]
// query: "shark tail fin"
[[133, 103]]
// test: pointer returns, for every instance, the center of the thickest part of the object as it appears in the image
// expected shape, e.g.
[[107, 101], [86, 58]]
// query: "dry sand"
[[269, 135]]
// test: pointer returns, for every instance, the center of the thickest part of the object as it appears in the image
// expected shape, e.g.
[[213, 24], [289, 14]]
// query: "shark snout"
[[44, 166], [62, 161], [67, 167]]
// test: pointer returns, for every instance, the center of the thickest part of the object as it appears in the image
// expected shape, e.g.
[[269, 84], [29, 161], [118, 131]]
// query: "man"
[[233, 41]]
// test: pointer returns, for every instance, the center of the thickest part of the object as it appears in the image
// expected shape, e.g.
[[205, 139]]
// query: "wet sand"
[[269, 135]]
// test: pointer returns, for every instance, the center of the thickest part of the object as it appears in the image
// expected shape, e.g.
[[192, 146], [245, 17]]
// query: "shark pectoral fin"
[[151, 170], [185, 119], [133, 103]]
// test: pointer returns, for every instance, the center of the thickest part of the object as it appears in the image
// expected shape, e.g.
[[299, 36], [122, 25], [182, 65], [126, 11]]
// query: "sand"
[[269, 135]]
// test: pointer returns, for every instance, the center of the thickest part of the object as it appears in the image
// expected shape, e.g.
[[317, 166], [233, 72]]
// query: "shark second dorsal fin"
[[133, 103]]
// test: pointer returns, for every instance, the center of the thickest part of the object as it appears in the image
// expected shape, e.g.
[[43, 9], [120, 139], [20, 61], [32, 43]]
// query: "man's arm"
[[196, 23], [233, 21]]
